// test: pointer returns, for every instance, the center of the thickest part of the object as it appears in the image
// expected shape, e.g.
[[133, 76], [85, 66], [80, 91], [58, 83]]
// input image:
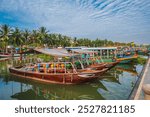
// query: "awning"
[[54, 52], [80, 51]]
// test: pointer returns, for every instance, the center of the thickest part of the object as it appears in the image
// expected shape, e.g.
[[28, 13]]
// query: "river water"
[[116, 84]]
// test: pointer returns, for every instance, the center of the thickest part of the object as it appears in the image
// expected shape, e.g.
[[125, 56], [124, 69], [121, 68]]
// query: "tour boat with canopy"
[[89, 59], [56, 72]]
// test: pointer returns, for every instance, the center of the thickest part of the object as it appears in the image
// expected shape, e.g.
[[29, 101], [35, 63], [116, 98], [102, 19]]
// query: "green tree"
[[33, 40], [42, 35], [5, 33], [17, 37], [26, 36]]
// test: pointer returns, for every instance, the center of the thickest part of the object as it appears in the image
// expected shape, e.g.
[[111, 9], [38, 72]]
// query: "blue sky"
[[116, 20]]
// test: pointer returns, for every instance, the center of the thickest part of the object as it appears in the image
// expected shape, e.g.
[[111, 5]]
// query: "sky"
[[116, 20]]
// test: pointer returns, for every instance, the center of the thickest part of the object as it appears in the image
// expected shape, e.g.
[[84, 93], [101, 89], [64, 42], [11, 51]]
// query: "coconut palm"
[[42, 35], [74, 42], [33, 40], [51, 41], [26, 36], [18, 39], [5, 32]]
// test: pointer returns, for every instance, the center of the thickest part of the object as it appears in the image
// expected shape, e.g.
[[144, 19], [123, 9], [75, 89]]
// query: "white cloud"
[[111, 19]]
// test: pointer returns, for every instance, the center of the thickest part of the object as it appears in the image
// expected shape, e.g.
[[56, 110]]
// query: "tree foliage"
[[42, 37]]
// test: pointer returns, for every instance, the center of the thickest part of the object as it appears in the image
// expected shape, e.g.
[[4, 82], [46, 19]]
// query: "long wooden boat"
[[7, 55], [104, 65], [127, 59], [91, 62], [3, 59], [4, 55], [56, 72], [97, 64]]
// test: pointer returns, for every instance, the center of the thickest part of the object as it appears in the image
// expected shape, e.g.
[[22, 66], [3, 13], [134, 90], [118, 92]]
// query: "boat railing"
[[96, 59], [54, 67], [84, 63]]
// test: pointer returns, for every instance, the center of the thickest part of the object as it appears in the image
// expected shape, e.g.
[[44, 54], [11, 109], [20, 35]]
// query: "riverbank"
[[145, 79]]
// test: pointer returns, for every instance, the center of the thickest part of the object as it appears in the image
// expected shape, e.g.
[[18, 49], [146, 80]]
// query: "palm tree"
[[66, 41], [26, 36], [75, 43], [54, 40], [18, 39], [42, 35], [5, 32], [51, 40], [33, 38]]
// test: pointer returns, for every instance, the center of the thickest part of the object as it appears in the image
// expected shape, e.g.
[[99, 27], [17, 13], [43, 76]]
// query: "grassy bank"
[[141, 60]]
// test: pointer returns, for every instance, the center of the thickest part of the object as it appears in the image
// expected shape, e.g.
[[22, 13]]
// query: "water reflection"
[[130, 68], [115, 84], [120, 84]]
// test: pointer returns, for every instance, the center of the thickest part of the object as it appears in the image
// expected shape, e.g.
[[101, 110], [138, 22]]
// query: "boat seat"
[[41, 70], [60, 70], [50, 71], [70, 71]]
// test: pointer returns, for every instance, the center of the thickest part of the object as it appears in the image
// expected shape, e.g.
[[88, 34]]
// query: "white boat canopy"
[[54, 52], [80, 51]]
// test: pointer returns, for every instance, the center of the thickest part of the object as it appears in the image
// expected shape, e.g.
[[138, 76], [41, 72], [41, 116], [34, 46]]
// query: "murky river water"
[[117, 83]]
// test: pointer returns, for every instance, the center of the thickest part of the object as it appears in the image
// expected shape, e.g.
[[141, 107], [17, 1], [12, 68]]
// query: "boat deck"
[[3, 59]]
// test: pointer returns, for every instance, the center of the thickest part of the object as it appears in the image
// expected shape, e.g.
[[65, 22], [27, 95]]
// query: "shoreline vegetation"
[[43, 38]]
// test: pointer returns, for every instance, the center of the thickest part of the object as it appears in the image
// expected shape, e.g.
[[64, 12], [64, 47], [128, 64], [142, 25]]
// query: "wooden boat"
[[103, 65], [7, 55], [56, 72], [127, 59], [3, 59], [98, 64], [91, 62]]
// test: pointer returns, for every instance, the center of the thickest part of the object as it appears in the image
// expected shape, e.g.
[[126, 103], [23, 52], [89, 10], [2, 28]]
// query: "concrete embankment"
[[139, 93]]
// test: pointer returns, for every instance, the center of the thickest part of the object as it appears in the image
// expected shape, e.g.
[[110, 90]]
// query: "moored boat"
[[7, 55], [91, 61], [3, 59], [127, 59], [4, 55], [100, 64], [59, 73]]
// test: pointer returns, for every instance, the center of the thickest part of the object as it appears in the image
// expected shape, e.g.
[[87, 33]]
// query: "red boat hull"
[[58, 78], [103, 65]]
